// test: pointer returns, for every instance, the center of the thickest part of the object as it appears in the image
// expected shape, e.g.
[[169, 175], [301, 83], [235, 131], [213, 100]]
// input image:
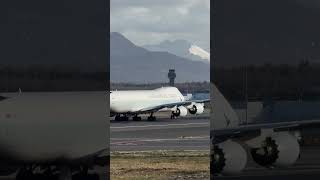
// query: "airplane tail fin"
[[223, 115], [188, 97]]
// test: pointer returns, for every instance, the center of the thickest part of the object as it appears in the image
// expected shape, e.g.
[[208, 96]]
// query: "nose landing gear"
[[121, 118]]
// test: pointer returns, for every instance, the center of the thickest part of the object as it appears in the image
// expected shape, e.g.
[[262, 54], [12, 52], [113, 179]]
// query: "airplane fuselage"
[[133, 101], [43, 127]]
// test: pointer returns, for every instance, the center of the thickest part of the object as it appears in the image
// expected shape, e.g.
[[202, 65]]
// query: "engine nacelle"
[[180, 111], [196, 108], [280, 149], [228, 157]]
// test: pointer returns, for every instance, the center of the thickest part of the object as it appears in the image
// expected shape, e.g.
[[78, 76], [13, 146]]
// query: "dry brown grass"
[[159, 165]]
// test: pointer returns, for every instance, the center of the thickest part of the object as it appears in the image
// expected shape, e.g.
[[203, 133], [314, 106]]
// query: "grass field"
[[160, 165]]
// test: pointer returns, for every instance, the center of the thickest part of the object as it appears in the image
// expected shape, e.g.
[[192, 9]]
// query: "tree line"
[[187, 87], [291, 82]]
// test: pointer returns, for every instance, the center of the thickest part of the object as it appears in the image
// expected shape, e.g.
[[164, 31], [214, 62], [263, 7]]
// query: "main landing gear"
[[83, 175], [136, 118], [121, 118], [151, 117], [54, 173], [118, 117], [173, 116]]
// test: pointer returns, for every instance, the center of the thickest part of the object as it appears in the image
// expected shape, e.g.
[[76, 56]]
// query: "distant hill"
[[131, 63]]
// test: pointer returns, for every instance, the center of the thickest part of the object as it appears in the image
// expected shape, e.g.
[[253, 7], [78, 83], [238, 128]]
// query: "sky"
[[153, 21]]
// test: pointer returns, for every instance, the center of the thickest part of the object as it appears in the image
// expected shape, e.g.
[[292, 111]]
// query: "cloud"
[[148, 22]]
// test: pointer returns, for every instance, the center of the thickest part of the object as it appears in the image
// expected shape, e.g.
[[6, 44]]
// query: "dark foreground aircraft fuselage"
[[51, 135], [270, 144]]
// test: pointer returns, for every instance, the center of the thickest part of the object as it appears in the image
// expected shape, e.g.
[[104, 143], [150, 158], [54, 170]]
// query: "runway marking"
[[167, 148], [162, 125], [126, 143], [167, 139], [136, 142]]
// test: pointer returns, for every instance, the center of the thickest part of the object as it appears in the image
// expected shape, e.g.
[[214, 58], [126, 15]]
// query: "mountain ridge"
[[131, 63]]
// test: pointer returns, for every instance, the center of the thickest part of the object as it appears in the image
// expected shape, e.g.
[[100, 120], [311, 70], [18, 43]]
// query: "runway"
[[184, 133], [307, 168]]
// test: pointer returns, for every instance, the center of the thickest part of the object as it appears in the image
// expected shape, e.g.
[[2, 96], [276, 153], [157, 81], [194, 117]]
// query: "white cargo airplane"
[[137, 102], [53, 135], [270, 144]]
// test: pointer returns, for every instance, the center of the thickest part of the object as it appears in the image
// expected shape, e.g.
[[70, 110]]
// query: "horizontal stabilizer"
[[223, 115]]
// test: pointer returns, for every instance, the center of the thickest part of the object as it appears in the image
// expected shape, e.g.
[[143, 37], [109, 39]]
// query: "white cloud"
[[183, 10], [152, 21]]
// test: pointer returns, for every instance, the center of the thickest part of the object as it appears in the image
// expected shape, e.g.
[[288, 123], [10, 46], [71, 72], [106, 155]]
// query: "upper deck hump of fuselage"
[[171, 91]]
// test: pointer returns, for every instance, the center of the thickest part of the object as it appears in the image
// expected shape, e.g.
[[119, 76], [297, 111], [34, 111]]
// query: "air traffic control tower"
[[171, 76]]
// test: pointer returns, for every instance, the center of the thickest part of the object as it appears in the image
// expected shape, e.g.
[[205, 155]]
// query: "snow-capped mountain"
[[198, 51], [181, 48]]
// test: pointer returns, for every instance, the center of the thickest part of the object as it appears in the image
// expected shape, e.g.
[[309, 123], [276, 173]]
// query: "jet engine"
[[180, 111], [228, 157], [196, 108], [280, 149]]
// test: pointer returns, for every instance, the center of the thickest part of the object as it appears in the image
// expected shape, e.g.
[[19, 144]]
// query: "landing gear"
[[121, 118], [117, 118], [37, 173], [65, 173], [136, 118], [25, 173], [61, 173], [175, 113], [84, 175], [173, 116], [151, 117]]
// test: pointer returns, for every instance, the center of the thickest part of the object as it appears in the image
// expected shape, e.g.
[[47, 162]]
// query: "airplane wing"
[[201, 101], [170, 105], [244, 130]]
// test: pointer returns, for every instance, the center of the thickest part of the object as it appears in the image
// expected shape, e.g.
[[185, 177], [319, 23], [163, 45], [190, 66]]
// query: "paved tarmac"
[[184, 133]]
